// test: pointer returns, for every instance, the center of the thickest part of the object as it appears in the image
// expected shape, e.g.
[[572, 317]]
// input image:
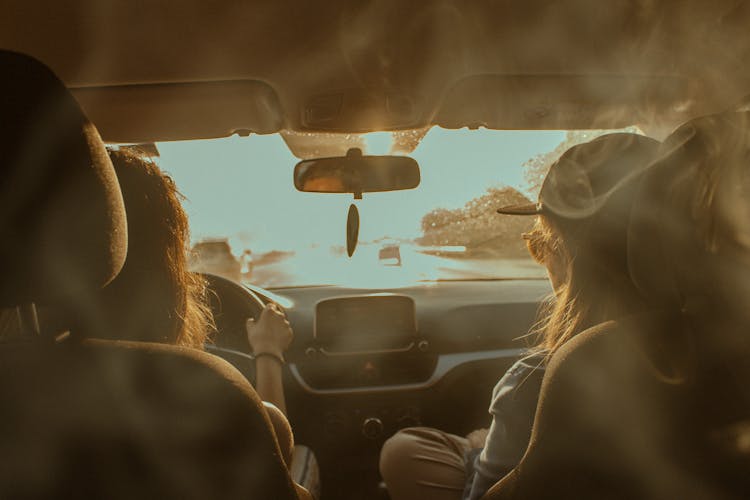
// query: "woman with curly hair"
[[155, 298]]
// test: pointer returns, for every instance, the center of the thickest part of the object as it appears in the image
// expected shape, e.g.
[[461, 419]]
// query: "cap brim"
[[527, 209]]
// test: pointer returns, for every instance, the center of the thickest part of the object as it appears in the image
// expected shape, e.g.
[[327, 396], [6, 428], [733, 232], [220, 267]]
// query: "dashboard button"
[[372, 428], [369, 373]]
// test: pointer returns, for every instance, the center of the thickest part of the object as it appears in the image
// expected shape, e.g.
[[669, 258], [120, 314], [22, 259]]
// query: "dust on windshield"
[[250, 224]]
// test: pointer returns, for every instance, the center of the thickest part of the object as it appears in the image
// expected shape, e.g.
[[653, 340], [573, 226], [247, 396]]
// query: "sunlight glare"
[[378, 143]]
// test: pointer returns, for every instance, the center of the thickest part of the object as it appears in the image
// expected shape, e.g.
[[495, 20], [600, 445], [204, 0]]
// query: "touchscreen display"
[[366, 316]]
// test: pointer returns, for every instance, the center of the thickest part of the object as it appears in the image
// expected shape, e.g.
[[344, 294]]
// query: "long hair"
[[597, 286], [154, 298], [581, 235]]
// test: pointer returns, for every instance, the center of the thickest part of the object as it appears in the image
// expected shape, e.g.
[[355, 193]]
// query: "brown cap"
[[584, 177]]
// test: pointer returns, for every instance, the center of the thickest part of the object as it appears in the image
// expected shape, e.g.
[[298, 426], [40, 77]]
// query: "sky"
[[241, 188]]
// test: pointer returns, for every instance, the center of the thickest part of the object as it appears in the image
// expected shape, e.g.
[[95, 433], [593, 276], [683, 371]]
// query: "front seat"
[[102, 419], [657, 406]]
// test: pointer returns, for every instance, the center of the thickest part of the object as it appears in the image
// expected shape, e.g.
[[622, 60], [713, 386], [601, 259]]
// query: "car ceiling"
[[167, 70]]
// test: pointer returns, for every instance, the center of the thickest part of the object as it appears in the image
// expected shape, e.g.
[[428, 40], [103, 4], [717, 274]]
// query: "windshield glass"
[[249, 223]]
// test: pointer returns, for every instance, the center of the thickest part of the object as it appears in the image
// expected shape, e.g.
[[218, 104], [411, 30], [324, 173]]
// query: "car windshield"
[[248, 221]]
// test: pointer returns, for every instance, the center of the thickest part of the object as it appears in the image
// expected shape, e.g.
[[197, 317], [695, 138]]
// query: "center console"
[[362, 345], [366, 341]]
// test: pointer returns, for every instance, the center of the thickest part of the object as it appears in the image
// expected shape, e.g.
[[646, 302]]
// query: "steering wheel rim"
[[230, 301], [230, 341]]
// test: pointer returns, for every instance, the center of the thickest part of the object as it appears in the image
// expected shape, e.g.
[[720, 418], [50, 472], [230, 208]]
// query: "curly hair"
[[155, 298]]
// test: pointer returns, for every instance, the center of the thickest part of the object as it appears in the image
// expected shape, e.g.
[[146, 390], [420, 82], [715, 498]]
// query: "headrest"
[[689, 237], [62, 221]]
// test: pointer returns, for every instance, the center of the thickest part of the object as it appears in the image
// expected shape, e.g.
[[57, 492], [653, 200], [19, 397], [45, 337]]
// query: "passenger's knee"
[[397, 451]]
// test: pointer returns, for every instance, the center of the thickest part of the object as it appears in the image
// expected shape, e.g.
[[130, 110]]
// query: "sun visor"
[[181, 111], [560, 102]]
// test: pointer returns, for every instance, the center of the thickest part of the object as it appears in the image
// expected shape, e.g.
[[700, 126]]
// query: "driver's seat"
[[102, 419]]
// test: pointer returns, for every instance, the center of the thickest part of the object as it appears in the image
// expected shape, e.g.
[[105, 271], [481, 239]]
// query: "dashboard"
[[452, 316], [367, 362], [360, 354]]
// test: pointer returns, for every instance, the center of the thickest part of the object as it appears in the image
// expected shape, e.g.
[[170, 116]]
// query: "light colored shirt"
[[513, 406]]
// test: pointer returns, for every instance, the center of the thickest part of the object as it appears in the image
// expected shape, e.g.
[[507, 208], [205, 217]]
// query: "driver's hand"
[[271, 333]]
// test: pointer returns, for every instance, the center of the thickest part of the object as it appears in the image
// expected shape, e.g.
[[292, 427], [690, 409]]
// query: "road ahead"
[[365, 270]]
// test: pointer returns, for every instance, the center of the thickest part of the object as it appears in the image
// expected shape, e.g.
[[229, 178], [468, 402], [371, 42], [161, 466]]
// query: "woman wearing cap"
[[580, 236], [657, 406]]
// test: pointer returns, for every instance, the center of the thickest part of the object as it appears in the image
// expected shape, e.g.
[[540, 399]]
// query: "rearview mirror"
[[356, 174]]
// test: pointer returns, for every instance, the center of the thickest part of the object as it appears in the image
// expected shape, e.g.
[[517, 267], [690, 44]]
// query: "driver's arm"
[[269, 337]]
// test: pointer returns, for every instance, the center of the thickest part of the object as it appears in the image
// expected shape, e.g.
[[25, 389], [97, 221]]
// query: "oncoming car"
[[390, 254], [416, 325]]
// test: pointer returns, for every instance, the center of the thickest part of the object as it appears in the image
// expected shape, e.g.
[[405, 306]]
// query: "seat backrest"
[[132, 420], [101, 420], [612, 423]]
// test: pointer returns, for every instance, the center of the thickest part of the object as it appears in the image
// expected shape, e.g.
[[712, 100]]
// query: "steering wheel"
[[232, 304]]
